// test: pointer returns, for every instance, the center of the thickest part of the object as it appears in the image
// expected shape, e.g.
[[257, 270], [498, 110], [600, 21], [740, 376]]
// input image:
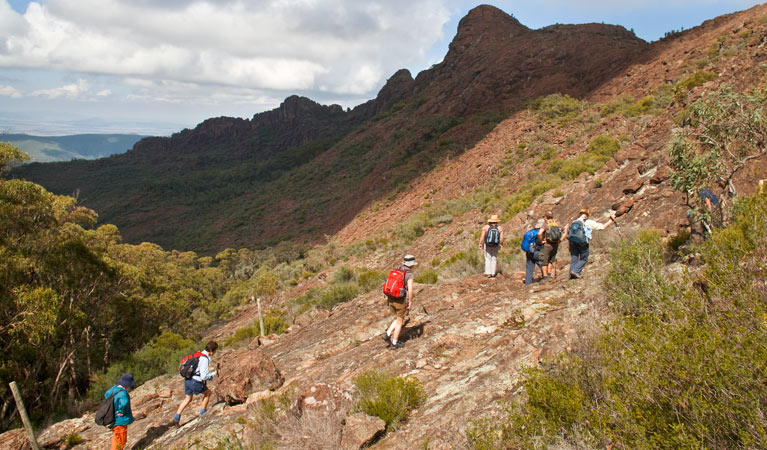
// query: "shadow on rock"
[[153, 434], [413, 332]]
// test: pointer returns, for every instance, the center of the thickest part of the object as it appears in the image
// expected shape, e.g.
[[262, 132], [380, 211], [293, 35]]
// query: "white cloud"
[[9, 91], [69, 91], [341, 46]]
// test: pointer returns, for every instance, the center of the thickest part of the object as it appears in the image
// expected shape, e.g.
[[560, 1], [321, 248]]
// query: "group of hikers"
[[196, 371], [540, 244]]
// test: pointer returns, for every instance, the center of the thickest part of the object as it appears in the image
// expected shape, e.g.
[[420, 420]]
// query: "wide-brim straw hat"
[[409, 260], [494, 219]]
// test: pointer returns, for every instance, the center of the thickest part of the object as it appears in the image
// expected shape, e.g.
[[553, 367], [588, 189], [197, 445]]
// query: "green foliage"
[[600, 150], [327, 297], [72, 439], [696, 79], [676, 367], [158, 357], [427, 277], [626, 106], [523, 197], [371, 279], [387, 397], [10, 154], [344, 275], [561, 108]]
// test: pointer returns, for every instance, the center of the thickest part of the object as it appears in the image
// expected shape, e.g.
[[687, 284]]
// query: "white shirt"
[[203, 365]]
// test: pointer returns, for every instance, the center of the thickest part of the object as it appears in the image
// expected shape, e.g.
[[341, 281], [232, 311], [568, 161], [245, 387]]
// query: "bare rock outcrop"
[[360, 430], [244, 372]]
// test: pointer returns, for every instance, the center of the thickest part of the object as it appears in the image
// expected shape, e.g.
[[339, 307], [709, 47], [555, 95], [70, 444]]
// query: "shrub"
[[328, 297], [72, 439], [343, 275], [427, 277], [371, 279], [696, 79], [562, 108], [600, 150], [387, 397]]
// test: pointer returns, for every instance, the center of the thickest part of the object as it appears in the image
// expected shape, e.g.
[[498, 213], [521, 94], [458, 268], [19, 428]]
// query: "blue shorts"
[[194, 387]]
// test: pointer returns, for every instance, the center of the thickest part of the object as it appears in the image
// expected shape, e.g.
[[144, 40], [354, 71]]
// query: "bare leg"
[[397, 328], [205, 399], [184, 404]]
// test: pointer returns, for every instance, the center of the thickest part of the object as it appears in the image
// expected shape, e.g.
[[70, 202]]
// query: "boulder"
[[323, 398], [246, 371], [16, 439], [361, 430], [633, 186], [624, 207], [662, 174]]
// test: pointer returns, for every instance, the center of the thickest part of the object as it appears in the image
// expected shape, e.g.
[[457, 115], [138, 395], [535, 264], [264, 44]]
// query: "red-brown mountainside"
[[305, 170]]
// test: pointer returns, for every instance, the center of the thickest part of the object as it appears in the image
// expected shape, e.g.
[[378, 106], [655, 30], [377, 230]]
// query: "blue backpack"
[[528, 241], [577, 233]]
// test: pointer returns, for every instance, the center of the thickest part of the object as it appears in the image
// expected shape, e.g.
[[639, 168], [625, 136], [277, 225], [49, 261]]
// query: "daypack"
[[554, 233], [395, 284], [188, 366], [493, 236], [528, 240], [105, 415], [577, 233]]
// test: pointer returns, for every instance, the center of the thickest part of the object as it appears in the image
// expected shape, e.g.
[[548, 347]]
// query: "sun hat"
[[409, 260], [494, 219], [127, 380], [540, 223]]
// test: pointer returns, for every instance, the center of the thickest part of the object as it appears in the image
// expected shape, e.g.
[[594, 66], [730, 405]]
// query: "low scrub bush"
[[600, 150], [696, 79], [326, 298], [427, 277], [371, 279], [387, 397], [561, 108]]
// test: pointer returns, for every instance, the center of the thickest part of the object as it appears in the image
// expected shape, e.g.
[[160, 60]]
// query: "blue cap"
[[127, 380]]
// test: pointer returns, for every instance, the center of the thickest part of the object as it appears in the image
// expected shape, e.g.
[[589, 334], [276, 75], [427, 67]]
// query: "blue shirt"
[[123, 414]]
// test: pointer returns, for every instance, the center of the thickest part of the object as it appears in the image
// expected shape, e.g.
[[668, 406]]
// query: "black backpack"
[[493, 236], [105, 415], [554, 233], [188, 366]]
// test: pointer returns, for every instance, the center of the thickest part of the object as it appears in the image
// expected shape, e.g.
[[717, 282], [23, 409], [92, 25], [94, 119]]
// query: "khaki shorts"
[[398, 307], [548, 253]]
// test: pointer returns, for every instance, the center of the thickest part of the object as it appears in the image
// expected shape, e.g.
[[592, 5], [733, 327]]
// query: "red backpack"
[[188, 366], [395, 284]]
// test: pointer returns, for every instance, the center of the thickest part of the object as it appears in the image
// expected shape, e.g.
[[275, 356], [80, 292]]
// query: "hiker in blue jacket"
[[123, 414], [198, 384], [579, 236], [531, 256]]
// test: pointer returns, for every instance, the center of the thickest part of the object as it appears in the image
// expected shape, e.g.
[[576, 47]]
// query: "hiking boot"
[[397, 346], [574, 276], [386, 338]]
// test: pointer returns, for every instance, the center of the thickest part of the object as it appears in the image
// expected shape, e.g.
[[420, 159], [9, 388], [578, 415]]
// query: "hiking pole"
[[617, 227]]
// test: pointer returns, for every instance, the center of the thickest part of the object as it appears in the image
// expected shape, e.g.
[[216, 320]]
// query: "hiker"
[[491, 242], [123, 414], [198, 384], [552, 236], [579, 235], [400, 302], [531, 244]]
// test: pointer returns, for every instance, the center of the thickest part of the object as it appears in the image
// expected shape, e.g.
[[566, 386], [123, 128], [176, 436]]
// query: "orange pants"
[[119, 437]]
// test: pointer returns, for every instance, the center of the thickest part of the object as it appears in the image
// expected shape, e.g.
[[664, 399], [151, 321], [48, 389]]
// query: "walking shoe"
[[386, 338], [397, 346], [574, 276], [177, 420]]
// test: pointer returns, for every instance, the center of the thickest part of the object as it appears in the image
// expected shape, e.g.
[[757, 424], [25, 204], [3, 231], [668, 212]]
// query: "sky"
[[156, 67]]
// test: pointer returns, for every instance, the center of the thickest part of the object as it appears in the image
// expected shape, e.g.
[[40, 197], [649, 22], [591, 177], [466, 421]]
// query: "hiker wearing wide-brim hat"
[[491, 241], [399, 295], [123, 414]]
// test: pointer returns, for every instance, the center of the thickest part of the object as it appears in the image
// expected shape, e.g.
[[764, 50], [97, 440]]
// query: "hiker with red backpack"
[[122, 411], [579, 236], [398, 289], [196, 371], [491, 241]]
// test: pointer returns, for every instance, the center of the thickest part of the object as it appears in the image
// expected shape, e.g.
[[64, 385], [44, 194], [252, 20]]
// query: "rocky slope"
[[468, 337]]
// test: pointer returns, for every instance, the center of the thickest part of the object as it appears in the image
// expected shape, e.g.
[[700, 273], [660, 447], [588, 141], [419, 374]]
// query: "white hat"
[[409, 261]]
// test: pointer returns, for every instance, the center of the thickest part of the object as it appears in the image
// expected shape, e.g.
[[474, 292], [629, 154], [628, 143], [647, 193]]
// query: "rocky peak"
[[295, 108], [484, 23], [399, 87]]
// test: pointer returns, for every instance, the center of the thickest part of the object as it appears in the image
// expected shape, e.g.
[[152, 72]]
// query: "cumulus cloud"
[[69, 91], [338, 46], [9, 91]]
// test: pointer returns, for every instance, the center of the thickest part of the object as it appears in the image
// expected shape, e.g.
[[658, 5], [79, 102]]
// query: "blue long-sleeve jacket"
[[123, 414]]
